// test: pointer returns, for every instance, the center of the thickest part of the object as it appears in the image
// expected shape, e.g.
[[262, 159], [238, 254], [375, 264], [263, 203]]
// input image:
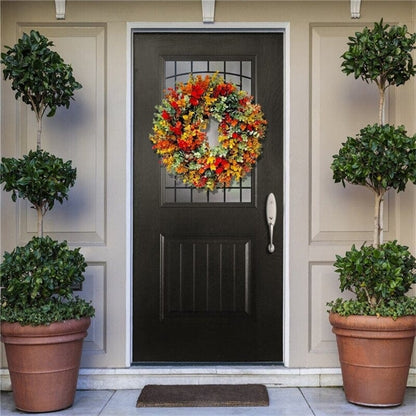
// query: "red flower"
[[183, 145], [218, 161], [165, 115], [177, 128], [221, 164], [196, 94], [223, 89]]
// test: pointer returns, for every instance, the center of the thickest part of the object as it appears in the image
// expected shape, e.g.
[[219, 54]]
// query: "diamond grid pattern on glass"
[[174, 191]]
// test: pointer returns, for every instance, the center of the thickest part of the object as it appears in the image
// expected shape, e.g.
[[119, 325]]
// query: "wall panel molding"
[[77, 134], [94, 289], [323, 287], [339, 108]]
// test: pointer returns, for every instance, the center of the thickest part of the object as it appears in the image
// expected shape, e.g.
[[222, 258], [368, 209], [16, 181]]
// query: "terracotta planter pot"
[[375, 357], [44, 363]]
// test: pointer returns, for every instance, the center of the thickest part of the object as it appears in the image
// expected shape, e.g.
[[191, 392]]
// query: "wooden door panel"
[[205, 287], [205, 277]]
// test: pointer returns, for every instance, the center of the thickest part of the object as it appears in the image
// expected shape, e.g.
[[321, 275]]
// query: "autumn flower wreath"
[[179, 132]]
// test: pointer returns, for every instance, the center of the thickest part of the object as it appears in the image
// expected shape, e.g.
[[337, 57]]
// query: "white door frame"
[[224, 27]]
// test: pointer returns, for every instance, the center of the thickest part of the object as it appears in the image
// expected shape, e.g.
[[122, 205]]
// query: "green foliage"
[[381, 157], [52, 311], [39, 270], [38, 281], [40, 177], [377, 275], [39, 75], [381, 54], [395, 308]]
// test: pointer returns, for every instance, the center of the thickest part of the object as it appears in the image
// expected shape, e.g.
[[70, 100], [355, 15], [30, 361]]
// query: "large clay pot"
[[375, 354], [44, 363]]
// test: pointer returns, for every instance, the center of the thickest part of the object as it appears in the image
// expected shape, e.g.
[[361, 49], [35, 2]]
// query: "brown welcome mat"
[[203, 395]]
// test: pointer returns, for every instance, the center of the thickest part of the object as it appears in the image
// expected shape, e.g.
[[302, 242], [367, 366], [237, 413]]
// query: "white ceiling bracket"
[[208, 11], [355, 9], [60, 9]]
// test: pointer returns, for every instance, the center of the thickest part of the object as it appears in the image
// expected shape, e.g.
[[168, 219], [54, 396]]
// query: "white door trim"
[[237, 27]]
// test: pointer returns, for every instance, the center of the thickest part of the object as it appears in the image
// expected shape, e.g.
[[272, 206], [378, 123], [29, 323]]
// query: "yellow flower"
[[210, 100], [188, 116]]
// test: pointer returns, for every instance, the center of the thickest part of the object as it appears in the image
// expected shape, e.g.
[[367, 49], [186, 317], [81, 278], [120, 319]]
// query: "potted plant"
[[375, 331], [42, 323]]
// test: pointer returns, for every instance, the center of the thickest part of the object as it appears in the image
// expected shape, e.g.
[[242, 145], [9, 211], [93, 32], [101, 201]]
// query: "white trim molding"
[[138, 377], [208, 11], [224, 27], [60, 9], [355, 9]]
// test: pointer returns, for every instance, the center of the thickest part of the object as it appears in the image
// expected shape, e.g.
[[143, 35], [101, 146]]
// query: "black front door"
[[206, 288]]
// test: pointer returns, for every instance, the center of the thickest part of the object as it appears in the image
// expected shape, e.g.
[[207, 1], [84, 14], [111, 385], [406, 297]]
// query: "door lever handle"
[[271, 219]]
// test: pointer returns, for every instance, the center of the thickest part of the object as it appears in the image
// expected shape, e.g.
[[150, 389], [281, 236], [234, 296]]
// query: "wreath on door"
[[179, 132]]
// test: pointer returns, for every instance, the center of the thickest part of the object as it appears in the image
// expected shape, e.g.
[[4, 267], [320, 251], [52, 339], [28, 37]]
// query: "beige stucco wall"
[[323, 107]]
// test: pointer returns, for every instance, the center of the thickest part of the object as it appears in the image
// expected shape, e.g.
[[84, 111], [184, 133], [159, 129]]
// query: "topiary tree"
[[382, 55], [39, 76], [381, 157], [41, 79], [39, 177], [38, 279]]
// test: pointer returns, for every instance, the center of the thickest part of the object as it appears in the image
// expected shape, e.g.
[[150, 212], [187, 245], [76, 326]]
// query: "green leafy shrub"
[[39, 177], [380, 157], [38, 281], [394, 308], [39, 76], [379, 277], [382, 54], [377, 274]]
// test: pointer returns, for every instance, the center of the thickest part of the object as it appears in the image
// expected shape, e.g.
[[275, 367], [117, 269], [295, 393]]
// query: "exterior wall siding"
[[324, 107]]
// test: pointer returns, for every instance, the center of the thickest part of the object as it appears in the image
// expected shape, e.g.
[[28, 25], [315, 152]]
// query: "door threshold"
[[136, 377]]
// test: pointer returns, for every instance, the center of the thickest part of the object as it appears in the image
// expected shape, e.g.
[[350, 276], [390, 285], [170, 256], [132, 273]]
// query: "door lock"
[[271, 219]]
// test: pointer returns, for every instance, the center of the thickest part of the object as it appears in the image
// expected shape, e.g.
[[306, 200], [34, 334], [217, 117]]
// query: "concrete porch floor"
[[290, 401]]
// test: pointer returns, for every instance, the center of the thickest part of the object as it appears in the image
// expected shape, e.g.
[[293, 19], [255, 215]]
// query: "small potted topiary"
[[375, 331], [42, 323]]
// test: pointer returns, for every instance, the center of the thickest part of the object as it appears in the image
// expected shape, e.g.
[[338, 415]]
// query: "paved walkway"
[[283, 402]]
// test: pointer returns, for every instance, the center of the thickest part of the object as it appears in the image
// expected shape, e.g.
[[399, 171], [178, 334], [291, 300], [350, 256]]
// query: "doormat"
[[203, 395]]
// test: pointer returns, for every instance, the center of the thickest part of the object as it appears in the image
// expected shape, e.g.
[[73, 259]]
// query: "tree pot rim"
[[373, 323], [16, 329], [383, 327]]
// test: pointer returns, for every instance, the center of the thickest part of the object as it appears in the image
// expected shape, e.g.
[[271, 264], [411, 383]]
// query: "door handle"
[[271, 219]]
